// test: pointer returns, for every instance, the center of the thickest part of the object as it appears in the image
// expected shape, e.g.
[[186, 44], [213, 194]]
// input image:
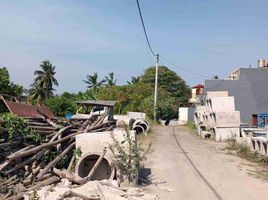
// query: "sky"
[[80, 37]]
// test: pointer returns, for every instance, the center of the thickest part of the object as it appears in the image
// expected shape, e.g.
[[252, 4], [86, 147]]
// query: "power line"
[[154, 54], [186, 70], [144, 29]]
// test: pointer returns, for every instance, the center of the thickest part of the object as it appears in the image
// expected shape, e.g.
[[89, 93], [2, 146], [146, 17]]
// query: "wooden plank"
[[43, 128], [49, 181], [96, 165], [33, 123], [55, 161], [46, 145]]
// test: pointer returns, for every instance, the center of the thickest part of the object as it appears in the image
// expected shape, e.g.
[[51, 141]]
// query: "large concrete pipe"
[[140, 126], [138, 129], [105, 170]]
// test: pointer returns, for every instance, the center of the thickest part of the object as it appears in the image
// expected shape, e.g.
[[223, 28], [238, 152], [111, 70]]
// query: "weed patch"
[[191, 125], [243, 151]]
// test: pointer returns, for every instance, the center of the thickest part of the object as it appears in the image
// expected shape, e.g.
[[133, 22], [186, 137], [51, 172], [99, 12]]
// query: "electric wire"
[[184, 69], [144, 29], [155, 54]]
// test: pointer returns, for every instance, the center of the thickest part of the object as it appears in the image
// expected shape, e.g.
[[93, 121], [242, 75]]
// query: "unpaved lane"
[[185, 167]]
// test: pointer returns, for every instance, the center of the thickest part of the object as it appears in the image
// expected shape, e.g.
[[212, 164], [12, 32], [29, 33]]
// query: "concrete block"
[[200, 128], [136, 115], [198, 115], [205, 134], [96, 142], [221, 134], [220, 104], [225, 119], [207, 120], [92, 146], [259, 144], [217, 94]]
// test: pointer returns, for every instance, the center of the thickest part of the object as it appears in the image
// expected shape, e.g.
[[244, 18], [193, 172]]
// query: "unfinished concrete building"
[[248, 86]]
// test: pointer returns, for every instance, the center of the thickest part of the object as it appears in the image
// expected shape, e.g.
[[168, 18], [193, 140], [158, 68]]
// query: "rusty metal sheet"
[[27, 110]]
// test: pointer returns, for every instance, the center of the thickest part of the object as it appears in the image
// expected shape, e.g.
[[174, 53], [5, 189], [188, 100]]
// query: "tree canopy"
[[93, 83], [42, 88], [7, 86], [110, 80], [168, 81], [138, 95]]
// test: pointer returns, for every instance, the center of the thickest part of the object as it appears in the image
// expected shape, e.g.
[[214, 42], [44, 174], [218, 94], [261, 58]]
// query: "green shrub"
[[128, 155], [17, 128], [61, 106]]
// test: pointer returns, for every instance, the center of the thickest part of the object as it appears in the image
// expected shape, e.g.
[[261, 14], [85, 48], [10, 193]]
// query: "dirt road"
[[185, 167]]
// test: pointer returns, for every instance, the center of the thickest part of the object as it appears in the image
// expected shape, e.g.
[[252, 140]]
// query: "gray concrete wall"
[[250, 91], [191, 114]]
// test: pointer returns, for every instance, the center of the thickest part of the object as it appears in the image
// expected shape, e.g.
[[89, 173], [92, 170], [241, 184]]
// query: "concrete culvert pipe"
[[144, 125], [86, 163], [138, 129], [141, 123]]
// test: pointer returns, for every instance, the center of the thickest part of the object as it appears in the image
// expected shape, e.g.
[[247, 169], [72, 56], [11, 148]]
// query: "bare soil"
[[180, 165]]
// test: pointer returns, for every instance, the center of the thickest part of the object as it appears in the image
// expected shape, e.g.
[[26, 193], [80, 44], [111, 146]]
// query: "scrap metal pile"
[[29, 166]]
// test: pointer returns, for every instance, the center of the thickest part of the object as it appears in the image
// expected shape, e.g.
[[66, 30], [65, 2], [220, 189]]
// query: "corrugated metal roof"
[[26, 110], [97, 103]]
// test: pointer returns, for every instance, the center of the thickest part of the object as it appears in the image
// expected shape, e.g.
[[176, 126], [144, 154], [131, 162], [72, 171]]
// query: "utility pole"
[[155, 86]]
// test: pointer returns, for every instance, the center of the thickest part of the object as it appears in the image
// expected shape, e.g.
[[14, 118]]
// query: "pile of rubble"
[[53, 169], [26, 167], [93, 190]]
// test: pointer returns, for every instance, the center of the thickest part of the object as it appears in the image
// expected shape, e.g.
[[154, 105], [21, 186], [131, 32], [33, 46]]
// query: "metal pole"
[[155, 86]]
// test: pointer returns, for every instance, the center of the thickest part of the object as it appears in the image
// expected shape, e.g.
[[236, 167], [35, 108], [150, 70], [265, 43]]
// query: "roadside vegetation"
[[191, 125], [136, 95], [242, 150]]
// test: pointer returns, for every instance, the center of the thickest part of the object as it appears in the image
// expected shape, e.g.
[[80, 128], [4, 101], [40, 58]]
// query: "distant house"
[[249, 86], [197, 94]]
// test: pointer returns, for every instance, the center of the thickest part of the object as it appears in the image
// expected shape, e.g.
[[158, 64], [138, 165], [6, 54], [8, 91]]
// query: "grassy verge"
[[243, 151], [191, 125]]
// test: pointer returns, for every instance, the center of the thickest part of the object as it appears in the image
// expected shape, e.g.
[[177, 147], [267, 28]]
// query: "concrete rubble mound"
[[93, 190]]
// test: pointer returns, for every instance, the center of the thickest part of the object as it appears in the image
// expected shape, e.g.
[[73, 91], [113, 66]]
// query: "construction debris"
[[94, 190], [52, 168], [26, 167], [135, 120]]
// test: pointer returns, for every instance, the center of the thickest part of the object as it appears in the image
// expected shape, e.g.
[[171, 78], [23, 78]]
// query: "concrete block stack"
[[218, 117]]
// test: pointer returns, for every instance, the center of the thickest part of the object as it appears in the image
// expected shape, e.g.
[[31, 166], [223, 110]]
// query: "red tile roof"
[[198, 86]]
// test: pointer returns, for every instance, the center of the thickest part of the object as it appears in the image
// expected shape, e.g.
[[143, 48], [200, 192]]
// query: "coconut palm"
[[45, 78], [110, 80], [36, 93], [93, 83], [134, 80]]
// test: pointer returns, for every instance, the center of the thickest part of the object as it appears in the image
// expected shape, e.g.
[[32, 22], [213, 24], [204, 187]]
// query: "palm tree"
[[93, 83], [134, 80], [36, 93], [110, 80], [45, 78]]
